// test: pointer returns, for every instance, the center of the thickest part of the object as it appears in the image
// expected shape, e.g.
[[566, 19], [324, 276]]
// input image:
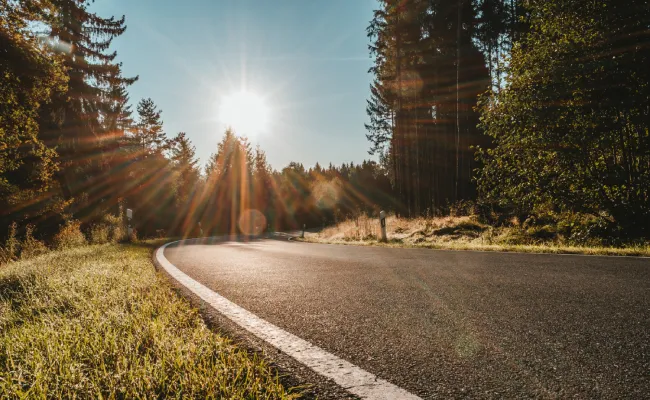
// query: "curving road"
[[446, 324]]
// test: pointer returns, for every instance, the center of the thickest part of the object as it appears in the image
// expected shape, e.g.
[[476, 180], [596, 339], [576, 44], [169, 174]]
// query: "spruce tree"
[[263, 196], [73, 123], [149, 135], [183, 157], [428, 75]]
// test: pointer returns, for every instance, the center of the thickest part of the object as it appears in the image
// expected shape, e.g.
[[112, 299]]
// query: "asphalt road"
[[446, 324]]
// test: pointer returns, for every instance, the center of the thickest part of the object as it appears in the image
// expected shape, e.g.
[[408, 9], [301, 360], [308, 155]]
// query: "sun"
[[245, 112]]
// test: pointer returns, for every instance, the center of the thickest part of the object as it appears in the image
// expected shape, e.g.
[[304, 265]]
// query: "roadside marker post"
[[129, 218], [382, 222], [302, 235]]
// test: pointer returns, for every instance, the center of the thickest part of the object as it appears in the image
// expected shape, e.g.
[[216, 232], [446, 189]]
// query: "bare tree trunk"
[[417, 164], [458, 32]]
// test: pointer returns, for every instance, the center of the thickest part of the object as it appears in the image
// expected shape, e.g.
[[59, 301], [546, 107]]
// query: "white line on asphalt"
[[354, 379]]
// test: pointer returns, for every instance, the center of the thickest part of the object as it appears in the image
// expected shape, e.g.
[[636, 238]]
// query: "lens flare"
[[326, 194], [252, 222]]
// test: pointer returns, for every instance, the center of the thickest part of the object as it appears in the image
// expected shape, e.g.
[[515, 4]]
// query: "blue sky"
[[307, 58]]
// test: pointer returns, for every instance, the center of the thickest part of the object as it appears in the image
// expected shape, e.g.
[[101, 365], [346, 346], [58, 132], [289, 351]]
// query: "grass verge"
[[464, 233], [99, 322]]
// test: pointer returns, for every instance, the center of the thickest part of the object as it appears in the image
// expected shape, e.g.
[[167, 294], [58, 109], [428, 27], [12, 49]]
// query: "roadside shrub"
[[99, 234], [69, 236], [513, 236], [464, 228], [9, 252], [31, 247], [463, 208], [546, 232], [116, 228]]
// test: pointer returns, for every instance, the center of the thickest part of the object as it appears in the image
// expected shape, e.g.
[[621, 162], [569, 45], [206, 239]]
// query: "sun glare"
[[245, 112]]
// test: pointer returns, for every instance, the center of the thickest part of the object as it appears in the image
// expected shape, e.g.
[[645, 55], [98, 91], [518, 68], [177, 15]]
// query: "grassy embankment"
[[466, 233], [97, 321]]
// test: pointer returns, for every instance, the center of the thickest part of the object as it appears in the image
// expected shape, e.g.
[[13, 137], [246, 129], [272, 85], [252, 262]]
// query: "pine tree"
[[186, 185], [149, 135], [73, 122], [262, 186], [118, 117], [228, 183], [183, 157], [147, 176], [428, 75], [380, 112]]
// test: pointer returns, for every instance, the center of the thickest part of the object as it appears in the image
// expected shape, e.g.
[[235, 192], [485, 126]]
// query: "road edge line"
[[349, 376]]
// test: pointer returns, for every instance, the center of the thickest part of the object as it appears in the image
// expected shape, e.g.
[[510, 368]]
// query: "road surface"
[[443, 324]]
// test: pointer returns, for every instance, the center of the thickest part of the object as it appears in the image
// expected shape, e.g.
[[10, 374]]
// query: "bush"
[[99, 234], [69, 236], [545, 232], [116, 228], [31, 247], [463, 208], [10, 250]]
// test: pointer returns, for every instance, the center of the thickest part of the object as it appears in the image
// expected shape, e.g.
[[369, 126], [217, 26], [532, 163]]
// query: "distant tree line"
[[553, 94], [242, 193]]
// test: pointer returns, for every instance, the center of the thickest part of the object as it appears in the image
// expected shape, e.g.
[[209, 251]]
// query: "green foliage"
[[30, 73], [571, 127]]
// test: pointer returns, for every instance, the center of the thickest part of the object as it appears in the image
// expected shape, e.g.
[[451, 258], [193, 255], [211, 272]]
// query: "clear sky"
[[307, 60]]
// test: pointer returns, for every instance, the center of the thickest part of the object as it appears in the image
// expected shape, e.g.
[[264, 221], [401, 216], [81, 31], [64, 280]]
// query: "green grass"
[[99, 322], [463, 233]]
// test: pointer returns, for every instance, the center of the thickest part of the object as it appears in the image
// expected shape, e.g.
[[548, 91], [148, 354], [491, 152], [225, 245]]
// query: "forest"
[[534, 109], [76, 153]]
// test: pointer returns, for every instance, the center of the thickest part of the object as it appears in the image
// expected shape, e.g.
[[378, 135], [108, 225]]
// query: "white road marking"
[[354, 379]]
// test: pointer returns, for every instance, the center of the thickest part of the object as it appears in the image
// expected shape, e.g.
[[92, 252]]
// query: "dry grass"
[[99, 322], [464, 233]]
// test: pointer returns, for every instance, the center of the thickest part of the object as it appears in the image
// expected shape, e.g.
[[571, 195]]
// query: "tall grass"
[[98, 322], [11, 248], [468, 233], [109, 229]]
